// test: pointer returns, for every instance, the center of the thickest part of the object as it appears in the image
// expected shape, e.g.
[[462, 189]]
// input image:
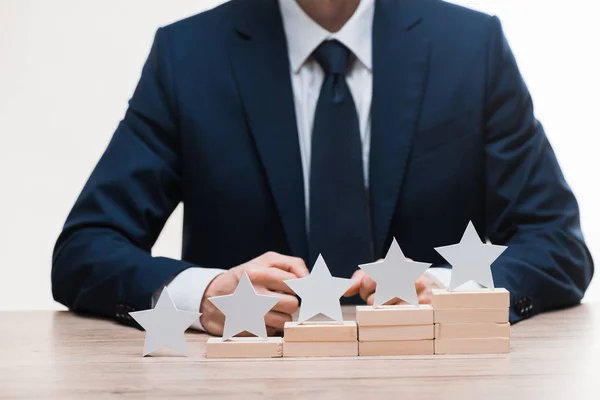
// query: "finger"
[[353, 290], [420, 286], [290, 264], [395, 302], [271, 278], [356, 277], [367, 287], [287, 304], [212, 319], [271, 331], [425, 298], [371, 299], [276, 319], [213, 327]]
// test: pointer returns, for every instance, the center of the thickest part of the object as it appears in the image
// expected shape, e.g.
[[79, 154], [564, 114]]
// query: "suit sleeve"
[[102, 260], [529, 206]]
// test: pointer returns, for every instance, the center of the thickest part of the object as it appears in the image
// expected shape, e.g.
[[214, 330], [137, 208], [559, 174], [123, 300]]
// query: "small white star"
[[165, 325], [244, 309], [320, 292], [471, 259], [395, 276]]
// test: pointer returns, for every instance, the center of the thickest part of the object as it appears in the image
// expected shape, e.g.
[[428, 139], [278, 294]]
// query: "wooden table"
[[59, 355]]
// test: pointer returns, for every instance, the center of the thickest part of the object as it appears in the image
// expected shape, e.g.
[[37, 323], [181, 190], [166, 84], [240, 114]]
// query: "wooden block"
[[320, 332], [466, 315], [320, 349], [474, 330], [396, 348], [244, 347], [393, 333], [394, 315], [472, 346], [443, 299]]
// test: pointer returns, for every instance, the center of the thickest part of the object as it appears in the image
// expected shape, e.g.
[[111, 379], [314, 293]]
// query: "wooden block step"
[[394, 315], [320, 332], [396, 348], [320, 349], [472, 346], [393, 333], [471, 315], [443, 299], [244, 347], [472, 331]]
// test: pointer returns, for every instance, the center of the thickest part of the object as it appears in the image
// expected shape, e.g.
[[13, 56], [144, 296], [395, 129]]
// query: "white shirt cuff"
[[187, 289]]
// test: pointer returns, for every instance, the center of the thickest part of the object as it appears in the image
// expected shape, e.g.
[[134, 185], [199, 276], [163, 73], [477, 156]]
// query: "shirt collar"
[[304, 35]]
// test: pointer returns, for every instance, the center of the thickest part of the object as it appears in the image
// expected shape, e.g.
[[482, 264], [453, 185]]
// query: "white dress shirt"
[[303, 36]]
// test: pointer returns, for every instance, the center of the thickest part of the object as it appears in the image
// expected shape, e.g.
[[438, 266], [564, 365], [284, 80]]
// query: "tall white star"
[[320, 292], [395, 276], [471, 259], [244, 310], [165, 325]]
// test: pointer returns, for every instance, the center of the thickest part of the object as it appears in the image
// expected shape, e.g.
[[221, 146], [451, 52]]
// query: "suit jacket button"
[[524, 306]]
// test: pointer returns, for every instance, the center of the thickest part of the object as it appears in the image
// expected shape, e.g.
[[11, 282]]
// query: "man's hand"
[[365, 286], [267, 274]]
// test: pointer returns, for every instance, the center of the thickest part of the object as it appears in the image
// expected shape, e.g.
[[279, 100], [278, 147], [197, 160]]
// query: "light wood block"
[[393, 333], [320, 349], [394, 315], [466, 315], [244, 347], [474, 330], [472, 346], [396, 348], [443, 299], [320, 332]]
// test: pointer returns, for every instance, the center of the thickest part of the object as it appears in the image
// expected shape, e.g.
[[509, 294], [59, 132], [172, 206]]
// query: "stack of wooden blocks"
[[395, 330], [320, 339], [471, 322]]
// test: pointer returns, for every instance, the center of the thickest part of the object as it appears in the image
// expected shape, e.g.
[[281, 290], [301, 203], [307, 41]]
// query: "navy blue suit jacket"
[[211, 124]]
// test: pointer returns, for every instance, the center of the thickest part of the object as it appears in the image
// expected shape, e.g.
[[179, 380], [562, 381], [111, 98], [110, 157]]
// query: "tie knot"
[[333, 57]]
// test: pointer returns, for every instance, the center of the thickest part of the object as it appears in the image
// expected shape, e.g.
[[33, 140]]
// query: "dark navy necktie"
[[339, 222]]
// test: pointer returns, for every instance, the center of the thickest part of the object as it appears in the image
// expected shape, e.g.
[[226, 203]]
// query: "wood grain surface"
[[58, 355]]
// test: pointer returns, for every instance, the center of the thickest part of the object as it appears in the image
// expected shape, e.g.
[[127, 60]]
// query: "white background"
[[68, 68]]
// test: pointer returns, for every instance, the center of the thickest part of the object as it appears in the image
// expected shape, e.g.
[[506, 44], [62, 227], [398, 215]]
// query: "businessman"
[[292, 128]]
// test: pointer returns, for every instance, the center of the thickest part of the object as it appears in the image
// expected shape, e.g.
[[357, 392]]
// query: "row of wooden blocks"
[[456, 323]]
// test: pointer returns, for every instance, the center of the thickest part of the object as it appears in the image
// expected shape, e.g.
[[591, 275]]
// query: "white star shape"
[[165, 325], [320, 292], [395, 276], [244, 310], [471, 259]]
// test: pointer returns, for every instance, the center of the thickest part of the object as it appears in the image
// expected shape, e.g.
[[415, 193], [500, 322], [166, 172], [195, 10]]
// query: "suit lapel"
[[400, 64], [261, 68]]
